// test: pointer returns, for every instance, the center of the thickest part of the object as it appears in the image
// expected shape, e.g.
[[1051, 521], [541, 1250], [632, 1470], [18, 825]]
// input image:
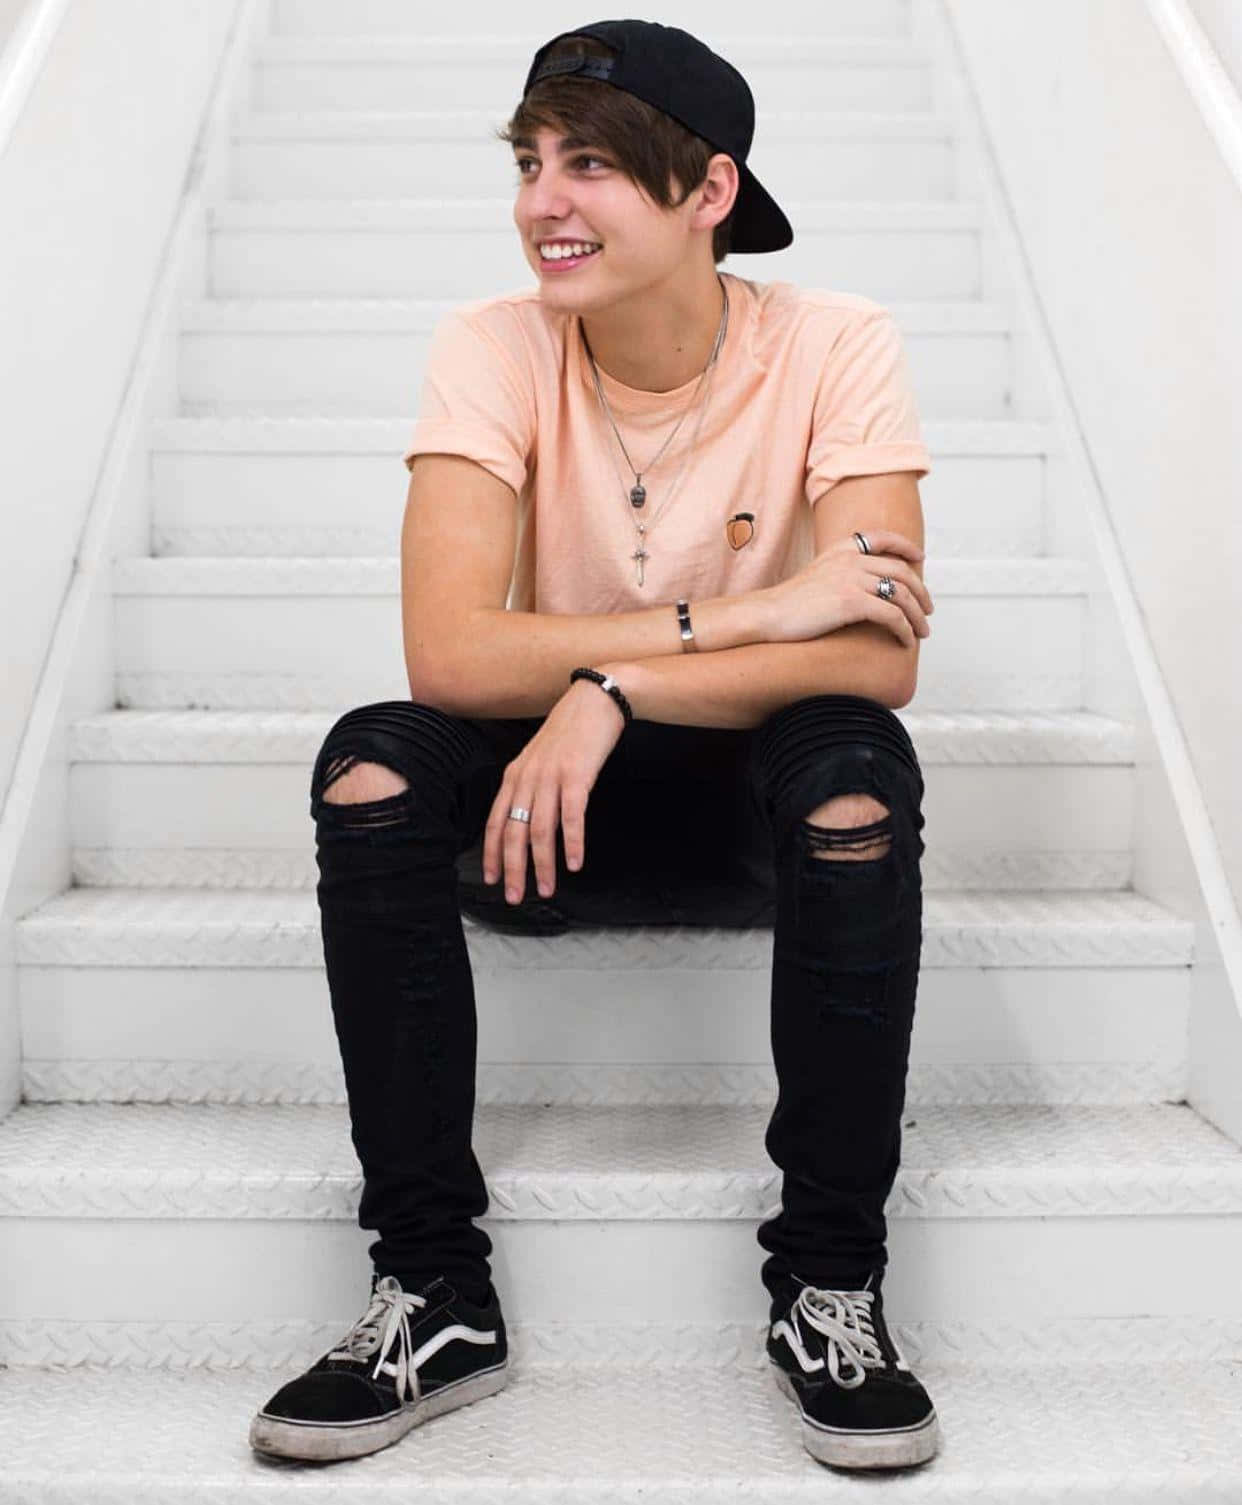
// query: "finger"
[[889, 541], [515, 849], [906, 601], [573, 823], [543, 826], [889, 615], [494, 831], [901, 572]]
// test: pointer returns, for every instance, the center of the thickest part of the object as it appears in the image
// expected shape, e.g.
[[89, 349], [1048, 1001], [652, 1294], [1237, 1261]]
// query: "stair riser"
[[832, 18], [311, 651], [1030, 825], [1001, 1271], [369, 374], [484, 167], [1111, 1033], [373, 262], [260, 505], [494, 84]]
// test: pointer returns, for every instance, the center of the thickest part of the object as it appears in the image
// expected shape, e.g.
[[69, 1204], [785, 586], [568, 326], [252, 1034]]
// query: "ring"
[[517, 813], [885, 588], [861, 540]]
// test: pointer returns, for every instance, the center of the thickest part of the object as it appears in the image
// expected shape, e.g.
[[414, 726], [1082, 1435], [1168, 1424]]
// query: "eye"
[[522, 162]]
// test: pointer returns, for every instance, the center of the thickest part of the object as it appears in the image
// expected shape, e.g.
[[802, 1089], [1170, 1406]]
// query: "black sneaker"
[[861, 1406], [411, 1356]]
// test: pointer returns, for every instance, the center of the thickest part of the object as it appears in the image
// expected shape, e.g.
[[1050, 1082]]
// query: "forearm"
[[517, 663], [741, 687]]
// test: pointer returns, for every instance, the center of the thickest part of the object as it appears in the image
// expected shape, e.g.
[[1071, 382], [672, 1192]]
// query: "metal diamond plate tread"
[[195, 927], [630, 1433], [630, 1162], [274, 736]]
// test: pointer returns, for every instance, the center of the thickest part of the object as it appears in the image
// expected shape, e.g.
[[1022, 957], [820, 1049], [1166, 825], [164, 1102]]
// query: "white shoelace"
[[844, 1318], [390, 1307]]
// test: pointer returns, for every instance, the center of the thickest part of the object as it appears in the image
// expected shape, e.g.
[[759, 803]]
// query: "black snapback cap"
[[673, 71]]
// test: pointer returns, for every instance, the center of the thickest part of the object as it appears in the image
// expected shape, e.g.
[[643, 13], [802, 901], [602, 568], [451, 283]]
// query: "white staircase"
[[178, 1190]]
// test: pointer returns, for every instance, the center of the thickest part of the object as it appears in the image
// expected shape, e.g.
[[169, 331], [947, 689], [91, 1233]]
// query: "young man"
[[638, 429]]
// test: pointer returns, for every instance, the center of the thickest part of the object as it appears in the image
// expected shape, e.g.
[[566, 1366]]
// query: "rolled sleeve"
[[865, 418], [475, 402]]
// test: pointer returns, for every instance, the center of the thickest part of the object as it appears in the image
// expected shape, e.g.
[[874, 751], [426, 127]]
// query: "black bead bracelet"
[[606, 682]]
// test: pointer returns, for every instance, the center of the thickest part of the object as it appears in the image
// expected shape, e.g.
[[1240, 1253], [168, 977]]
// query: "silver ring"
[[861, 540], [885, 588], [517, 813]]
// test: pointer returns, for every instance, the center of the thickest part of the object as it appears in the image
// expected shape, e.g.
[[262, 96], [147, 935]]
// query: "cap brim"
[[759, 223]]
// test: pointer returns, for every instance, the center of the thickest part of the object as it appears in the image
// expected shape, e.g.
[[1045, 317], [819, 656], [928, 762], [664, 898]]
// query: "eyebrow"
[[569, 144]]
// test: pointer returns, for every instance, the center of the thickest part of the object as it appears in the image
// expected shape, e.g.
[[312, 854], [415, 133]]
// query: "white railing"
[[23, 57], [1204, 75]]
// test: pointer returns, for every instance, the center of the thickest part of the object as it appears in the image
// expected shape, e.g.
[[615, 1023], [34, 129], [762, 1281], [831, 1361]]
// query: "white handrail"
[[22, 60], [1204, 75]]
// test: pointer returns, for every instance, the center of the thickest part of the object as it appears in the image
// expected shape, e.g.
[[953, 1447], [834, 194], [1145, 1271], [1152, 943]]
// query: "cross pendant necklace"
[[640, 553]]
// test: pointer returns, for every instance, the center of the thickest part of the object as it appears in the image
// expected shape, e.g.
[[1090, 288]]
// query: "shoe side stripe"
[[783, 1330], [447, 1335]]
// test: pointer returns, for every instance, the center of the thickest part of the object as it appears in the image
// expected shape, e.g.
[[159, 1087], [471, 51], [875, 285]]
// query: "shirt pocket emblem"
[[740, 529]]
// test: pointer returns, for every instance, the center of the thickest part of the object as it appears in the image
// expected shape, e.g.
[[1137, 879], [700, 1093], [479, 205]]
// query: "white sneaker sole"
[[892, 1449], [325, 1442]]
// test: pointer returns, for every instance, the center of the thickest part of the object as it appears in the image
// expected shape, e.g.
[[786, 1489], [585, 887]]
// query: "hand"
[[838, 587], [552, 777]]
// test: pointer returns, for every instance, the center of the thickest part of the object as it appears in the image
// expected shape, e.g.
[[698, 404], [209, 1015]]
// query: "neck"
[[657, 342]]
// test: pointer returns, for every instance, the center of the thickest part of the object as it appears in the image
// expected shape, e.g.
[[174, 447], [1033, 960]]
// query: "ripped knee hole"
[[350, 781], [867, 839]]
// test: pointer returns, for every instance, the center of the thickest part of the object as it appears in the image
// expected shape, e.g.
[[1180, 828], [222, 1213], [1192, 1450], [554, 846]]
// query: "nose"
[[544, 203]]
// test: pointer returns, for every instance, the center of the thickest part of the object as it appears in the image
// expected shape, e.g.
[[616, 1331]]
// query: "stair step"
[[206, 928], [361, 72], [317, 632], [172, 799], [999, 1216], [257, 487], [329, 435], [857, 154], [447, 246], [396, 19], [250, 356], [618, 1433]]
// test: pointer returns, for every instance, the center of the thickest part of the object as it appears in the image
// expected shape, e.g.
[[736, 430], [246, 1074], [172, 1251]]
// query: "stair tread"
[[470, 124], [445, 216], [397, 315], [610, 1161], [331, 433], [398, 47], [125, 926], [637, 1432], [278, 736], [352, 575]]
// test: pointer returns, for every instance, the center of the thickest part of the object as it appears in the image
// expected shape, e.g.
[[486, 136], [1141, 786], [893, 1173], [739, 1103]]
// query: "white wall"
[[89, 186], [1133, 226], [9, 12]]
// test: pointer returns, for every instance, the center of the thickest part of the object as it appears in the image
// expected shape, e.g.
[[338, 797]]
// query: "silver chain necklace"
[[637, 494]]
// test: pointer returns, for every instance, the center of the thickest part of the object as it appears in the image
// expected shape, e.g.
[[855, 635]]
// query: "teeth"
[[571, 248]]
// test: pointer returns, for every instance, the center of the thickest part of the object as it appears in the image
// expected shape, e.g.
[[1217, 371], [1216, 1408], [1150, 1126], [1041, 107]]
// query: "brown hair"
[[649, 145]]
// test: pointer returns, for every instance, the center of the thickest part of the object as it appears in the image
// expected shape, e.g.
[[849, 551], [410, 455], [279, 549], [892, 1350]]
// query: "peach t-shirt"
[[810, 386]]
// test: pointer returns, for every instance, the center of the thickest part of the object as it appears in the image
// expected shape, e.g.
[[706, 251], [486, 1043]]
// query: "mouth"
[[566, 263]]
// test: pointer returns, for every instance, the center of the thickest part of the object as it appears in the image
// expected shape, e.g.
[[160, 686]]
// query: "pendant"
[[640, 554], [638, 495]]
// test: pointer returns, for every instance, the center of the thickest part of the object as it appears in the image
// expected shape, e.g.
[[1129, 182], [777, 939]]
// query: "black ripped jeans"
[[684, 826]]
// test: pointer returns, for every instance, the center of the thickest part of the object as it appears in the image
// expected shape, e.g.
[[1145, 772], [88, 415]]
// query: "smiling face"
[[572, 191]]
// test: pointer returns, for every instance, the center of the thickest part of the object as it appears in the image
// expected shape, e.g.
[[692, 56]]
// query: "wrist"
[[617, 679], [760, 604]]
